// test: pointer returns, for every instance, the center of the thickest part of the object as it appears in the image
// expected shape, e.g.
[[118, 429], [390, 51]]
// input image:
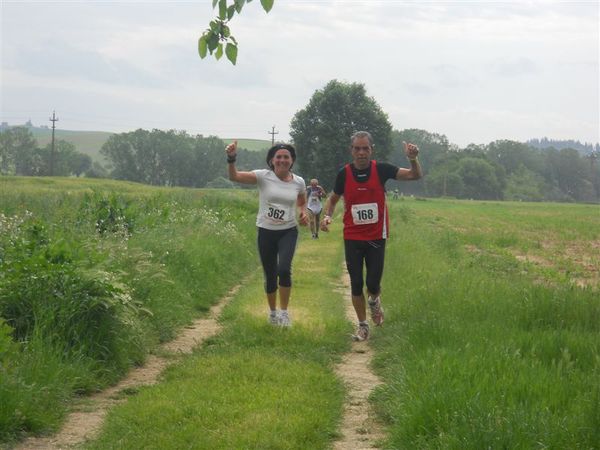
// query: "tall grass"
[[478, 352], [94, 274]]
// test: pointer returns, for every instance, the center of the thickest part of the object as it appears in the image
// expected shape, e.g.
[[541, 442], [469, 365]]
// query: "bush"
[[47, 291]]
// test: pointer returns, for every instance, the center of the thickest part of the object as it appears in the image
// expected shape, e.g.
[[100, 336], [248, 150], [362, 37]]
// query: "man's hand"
[[411, 150], [325, 222]]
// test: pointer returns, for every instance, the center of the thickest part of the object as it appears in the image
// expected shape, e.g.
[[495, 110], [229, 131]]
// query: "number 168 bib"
[[365, 213]]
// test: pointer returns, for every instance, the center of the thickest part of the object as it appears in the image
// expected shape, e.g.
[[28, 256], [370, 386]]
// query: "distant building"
[[4, 126]]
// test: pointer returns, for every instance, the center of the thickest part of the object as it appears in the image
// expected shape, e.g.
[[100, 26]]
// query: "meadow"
[[491, 338]]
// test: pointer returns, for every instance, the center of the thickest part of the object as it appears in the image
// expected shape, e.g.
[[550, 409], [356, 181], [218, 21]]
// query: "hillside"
[[90, 142], [87, 142]]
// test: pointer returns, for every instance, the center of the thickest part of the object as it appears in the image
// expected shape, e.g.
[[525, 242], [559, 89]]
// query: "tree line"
[[21, 155], [500, 170]]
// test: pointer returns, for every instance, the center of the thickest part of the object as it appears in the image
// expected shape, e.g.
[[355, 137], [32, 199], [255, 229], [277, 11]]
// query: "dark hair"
[[273, 150]]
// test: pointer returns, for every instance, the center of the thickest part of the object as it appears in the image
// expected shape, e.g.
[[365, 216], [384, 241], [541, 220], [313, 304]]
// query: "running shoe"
[[284, 319], [362, 333], [273, 318], [376, 310]]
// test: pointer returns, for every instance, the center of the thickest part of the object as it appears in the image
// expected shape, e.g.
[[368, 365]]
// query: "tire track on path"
[[360, 429], [85, 424]]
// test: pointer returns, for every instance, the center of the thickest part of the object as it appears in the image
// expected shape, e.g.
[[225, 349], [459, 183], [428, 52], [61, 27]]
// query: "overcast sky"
[[475, 71]]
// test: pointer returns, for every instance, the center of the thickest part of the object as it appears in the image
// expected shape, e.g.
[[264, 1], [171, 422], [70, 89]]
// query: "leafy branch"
[[217, 38]]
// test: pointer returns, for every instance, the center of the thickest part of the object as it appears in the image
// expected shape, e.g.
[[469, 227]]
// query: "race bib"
[[365, 213], [276, 214]]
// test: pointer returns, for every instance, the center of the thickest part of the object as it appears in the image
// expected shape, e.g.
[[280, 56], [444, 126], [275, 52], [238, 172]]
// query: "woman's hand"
[[231, 150], [304, 219]]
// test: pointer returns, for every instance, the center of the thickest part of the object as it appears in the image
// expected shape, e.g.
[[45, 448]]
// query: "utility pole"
[[273, 133], [53, 119]]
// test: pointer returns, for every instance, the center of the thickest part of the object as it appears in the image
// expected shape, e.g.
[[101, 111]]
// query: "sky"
[[475, 71]]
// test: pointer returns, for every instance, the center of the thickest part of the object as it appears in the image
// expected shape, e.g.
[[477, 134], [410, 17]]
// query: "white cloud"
[[473, 70]]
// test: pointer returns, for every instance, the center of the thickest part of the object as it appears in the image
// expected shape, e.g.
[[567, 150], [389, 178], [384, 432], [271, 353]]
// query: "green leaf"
[[231, 52], [202, 47], [232, 39], [230, 12], [226, 31], [214, 3], [214, 25], [267, 4], [222, 9], [239, 4], [219, 51], [212, 42]]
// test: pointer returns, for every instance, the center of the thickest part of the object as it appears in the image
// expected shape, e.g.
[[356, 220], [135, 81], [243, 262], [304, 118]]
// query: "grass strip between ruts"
[[253, 385]]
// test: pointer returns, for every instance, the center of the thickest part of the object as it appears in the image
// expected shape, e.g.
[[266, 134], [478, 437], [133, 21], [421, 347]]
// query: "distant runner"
[[314, 194], [366, 221], [282, 195]]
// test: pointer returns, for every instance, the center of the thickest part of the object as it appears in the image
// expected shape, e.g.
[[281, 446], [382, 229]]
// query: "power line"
[[273, 133]]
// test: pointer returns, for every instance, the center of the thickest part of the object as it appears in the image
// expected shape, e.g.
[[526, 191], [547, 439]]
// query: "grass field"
[[491, 338]]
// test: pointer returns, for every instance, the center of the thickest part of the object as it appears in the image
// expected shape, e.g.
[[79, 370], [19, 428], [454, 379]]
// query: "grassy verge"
[[480, 350], [94, 274], [254, 385]]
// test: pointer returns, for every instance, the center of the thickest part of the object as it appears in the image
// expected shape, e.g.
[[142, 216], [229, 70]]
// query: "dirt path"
[[359, 430], [85, 423]]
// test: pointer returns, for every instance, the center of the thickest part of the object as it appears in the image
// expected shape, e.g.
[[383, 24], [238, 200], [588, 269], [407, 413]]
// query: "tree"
[[97, 171], [80, 164], [568, 171], [436, 151], [66, 158], [17, 146], [321, 131], [217, 38], [512, 155], [524, 185], [479, 178], [444, 179], [166, 158]]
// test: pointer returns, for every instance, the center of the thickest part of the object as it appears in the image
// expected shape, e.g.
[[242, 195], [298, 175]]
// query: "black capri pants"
[[372, 254], [276, 249]]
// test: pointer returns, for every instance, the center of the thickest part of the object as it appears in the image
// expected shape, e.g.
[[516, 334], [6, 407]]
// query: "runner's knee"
[[285, 278], [357, 287]]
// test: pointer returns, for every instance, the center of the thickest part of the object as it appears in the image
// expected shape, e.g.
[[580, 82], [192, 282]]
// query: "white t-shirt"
[[277, 200]]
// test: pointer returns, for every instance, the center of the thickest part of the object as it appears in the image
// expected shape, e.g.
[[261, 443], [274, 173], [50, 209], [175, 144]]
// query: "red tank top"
[[365, 212]]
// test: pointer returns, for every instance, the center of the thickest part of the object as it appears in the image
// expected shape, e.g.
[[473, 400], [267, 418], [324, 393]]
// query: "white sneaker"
[[284, 319], [273, 317], [362, 333], [376, 310]]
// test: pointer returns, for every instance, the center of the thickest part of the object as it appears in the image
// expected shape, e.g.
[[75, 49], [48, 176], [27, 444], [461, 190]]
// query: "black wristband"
[[231, 159]]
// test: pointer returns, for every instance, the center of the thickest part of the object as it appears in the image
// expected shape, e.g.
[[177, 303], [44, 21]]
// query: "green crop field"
[[87, 142], [491, 338], [254, 145]]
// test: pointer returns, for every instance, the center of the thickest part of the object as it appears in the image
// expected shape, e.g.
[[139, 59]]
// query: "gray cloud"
[[514, 68]]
